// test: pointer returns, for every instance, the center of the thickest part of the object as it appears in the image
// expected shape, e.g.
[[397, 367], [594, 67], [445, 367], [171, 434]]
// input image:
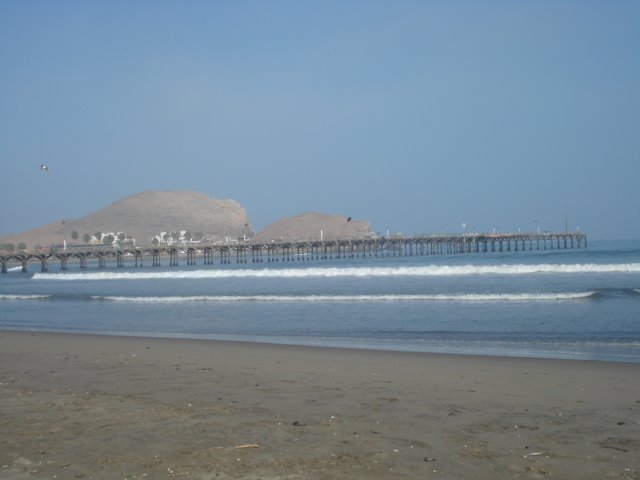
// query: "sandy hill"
[[145, 215], [309, 225]]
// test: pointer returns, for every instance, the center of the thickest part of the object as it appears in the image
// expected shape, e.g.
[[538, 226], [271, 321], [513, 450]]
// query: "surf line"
[[419, 271], [522, 297]]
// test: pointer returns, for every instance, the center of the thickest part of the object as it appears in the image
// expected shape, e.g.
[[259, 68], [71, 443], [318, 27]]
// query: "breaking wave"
[[467, 297], [419, 271], [23, 297]]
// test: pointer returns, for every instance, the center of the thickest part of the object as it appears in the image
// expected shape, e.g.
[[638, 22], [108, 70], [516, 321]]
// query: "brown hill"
[[309, 226], [144, 215]]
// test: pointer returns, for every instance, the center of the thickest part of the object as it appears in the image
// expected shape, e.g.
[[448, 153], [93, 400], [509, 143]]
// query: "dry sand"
[[81, 406]]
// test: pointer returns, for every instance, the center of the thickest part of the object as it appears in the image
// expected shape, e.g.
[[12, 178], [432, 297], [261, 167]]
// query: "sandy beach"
[[99, 407]]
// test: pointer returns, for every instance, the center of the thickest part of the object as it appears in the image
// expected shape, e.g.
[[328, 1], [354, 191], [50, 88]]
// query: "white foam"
[[519, 297], [23, 297], [422, 271]]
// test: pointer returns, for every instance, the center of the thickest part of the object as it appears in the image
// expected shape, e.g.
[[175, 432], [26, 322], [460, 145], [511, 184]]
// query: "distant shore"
[[85, 406]]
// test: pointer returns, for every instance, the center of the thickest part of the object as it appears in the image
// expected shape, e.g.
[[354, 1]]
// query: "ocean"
[[571, 304]]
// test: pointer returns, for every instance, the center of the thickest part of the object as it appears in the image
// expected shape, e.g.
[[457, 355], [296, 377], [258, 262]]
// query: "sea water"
[[577, 303]]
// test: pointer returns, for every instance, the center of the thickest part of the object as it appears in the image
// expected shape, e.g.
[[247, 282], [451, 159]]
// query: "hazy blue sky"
[[412, 115]]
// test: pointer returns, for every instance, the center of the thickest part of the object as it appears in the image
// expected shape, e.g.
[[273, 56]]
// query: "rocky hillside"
[[144, 215], [310, 225]]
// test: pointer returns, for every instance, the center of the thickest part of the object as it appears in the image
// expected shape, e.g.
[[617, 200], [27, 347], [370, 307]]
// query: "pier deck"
[[293, 250]]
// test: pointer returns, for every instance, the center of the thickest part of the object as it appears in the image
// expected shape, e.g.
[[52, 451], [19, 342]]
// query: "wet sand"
[[83, 406]]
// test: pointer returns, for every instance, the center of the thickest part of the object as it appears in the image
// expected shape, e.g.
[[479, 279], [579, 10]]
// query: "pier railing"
[[251, 251]]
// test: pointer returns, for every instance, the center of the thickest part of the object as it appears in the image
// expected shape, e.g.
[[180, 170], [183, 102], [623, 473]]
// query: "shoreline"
[[368, 345], [102, 407]]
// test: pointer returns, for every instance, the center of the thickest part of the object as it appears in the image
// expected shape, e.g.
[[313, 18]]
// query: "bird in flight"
[[44, 168]]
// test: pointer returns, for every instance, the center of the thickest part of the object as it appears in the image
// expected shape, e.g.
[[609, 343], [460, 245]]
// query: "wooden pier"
[[298, 250]]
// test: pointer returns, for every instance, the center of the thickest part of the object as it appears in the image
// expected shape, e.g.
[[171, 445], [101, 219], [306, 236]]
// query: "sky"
[[416, 116]]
